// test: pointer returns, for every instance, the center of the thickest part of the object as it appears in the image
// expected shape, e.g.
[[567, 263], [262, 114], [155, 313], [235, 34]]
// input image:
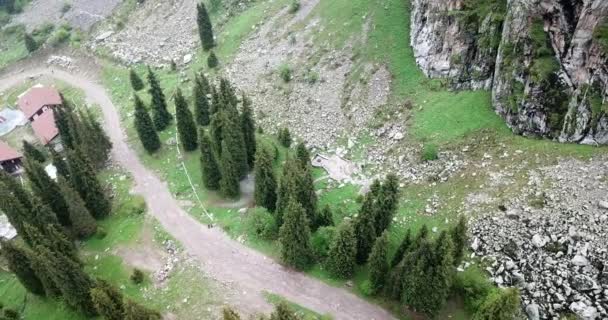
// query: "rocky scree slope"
[[544, 60]]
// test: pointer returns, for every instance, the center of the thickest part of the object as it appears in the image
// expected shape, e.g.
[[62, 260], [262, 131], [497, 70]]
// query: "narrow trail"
[[226, 260]]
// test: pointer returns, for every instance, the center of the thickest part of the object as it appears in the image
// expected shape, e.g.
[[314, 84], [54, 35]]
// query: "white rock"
[[532, 311], [579, 260], [187, 58]]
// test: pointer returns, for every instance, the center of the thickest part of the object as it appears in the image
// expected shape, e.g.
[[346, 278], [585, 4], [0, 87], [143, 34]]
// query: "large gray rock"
[[532, 311]]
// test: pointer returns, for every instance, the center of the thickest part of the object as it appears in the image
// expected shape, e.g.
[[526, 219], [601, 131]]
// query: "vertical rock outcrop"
[[544, 60]]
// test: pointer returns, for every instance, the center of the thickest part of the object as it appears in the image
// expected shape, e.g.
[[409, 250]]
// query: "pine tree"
[[303, 155], [161, 117], [265, 192], [378, 263], [387, 201], [48, 191], [60, 164], [108, 301], [500, 304], [230, 314], [90, 189], [285, 137], [205, 29], [99, 144], [53, 238], [228, 93], [459, 238], [75, 285], [135, 311], [209, 167], [294, 237], [185, 123], [62, 122], [83, 223], [30, 43], [305, 192], [16, 189], [212, 60], [229, 184], [136, 82], [18, 259], [284, 194], [145, 128], [442, 272], [365, 229], [216, 128], [32, 152], [201, 104], [326, 217], [233, 136], [17, 215], [283, 312], [216, 101], [342, 252], [403, 248], [248, 127]]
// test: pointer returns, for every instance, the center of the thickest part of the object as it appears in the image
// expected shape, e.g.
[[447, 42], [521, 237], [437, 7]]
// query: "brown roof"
[[8, 153], [36, 98], [44, 127]]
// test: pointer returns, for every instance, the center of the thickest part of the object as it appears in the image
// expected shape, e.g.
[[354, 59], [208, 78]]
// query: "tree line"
[[51, 214]]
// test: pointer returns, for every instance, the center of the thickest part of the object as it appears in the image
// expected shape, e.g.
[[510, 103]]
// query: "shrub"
[[294, 6], [101, 233], [135, 206], [138, 276], [474, 286], [60, 36], [600, 34], [263, 224], [499, 304], [10, 314], [429, 152], [66, 7], [285, 72], [312, 76], [321, 240], [212, 60]]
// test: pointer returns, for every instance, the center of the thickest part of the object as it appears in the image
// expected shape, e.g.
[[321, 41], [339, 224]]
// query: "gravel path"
[[224, 259]]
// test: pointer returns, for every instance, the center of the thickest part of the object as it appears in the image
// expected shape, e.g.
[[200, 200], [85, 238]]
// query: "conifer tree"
[[342, 252], [442, 272], [285, 137], [53, 238], [16, 189], [265, 192], [62, 122], [212, 60], [201, 104], [216, 101], [135, 311], [403, 248], [233, 136], [228, 93], [48, 191], [209, 167], [32, 152], [60, 164], [185, 123], [43, 271], [500, 304], [206, 86], [90, 189], [284, 194], [17, 215], [283, 312], [99, 143], [305, 192], [365, 229], [215, 130], [248, 128], [230, 314], [386, 203], [136, 82], [108, 301], [145, 128], [205, 29], [294, 237], [378, 263], [303, 155], [30, 43], [160, 115], [83, 223], [459, 238], [75, 285], [325, 217], [19, 262], [229, 184]]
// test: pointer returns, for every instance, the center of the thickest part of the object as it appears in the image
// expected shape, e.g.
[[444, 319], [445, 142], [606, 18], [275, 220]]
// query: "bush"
[[285, 72], [10, 314], [60, 36], [212, 60], [66, 7], [262, 224], [138, 276], [134, 206], [101, 233], [294, 6], [473, 285], [500, 304], [429, 152], [321, 241]]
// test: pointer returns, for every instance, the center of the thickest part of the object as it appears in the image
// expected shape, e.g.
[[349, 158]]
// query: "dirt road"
[[224, 259]]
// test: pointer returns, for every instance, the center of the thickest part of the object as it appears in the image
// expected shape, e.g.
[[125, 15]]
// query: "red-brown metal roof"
[[36, 98], [8, 153], [44, 127]]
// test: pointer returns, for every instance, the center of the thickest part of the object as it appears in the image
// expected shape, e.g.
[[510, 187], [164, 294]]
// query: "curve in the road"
[[222, 258]]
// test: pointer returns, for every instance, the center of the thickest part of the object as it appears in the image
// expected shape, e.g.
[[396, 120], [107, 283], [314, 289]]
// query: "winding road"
[[222, 258]]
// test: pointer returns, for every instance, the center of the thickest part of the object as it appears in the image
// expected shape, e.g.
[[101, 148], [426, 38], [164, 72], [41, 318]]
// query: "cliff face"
[[544, 60]]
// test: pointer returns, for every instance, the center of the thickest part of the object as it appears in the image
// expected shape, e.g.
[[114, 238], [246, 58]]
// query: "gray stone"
[[532, 311]]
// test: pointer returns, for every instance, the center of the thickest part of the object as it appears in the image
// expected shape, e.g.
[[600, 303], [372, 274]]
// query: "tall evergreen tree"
[[216, 101], [48, 191], [135, 311], [51, 237], [83, 223], [265, 192], [96, 137], [145, 128], [303, 155], [248, 128], [228, 93], [284, 194], [325, 217], [62, 116], [160, 115], [500, 304], [75, 285], [403, 248], [284, 312], [284, 137], [294, 237], [43, 272], [17, 215], [230, 314], [210, 169], [90, 189], [33, 153], [342, 252], [185, 123], [234, 138], [205, 29], [19, 262], [108, 301], [30, 43], [386, 203], [60, 164], [16, 189], [378, 263], [459, 238], [365, 229], [136, 82], [305, 192], [201, 103], [216, 128], [229, 184], [212, 60]]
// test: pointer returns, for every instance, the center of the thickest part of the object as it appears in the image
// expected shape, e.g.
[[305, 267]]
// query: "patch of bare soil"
[[145, 254]]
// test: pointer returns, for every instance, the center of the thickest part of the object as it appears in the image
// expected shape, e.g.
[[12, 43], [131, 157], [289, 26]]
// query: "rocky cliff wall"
[[544, 60]]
